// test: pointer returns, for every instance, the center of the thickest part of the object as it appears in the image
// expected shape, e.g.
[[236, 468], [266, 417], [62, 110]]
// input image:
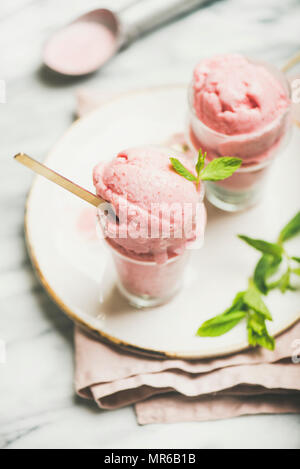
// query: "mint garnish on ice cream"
[[217, 170]]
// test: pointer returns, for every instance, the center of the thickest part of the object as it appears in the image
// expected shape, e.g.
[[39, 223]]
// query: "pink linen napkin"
[[169, 390], [251, 382]]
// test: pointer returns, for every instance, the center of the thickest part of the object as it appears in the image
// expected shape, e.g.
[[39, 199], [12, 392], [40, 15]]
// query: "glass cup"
[[257, 149], [146, 283], [144, 280]]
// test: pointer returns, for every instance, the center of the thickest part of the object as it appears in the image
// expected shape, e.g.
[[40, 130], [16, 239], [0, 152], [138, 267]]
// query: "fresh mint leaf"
[[258, 333], [253, 299], [297, 259], [265, 268], [220, 168], [237, 304], [265, 341], [263, 246], [251, 337], [217, 170], [221, 324], [291, 229], [284, 282], [257, 323], [182, 170], [200, 162]]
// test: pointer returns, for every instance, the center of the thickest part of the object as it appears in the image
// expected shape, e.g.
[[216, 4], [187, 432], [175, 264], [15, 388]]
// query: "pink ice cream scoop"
[[158, 212], [234, 96], [239, 108]]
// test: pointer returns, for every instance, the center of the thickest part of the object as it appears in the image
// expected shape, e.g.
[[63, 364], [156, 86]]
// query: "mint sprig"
[[217, 170], [275, 258], [296, 259], [249, 304], [220, 168], [290, 230], [246, 305], [263, 246], [182, 170], [252, 298], [221, 324], [258, 332], [265, 268]]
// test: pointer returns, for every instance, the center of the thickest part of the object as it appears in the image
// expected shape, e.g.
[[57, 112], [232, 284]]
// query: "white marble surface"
[[38, 408]]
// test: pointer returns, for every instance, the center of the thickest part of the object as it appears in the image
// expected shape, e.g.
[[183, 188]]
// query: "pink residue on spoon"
[[80, 48]]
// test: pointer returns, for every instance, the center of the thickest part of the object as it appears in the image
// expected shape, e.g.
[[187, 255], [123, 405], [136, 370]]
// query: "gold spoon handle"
[[291, 62], [53, 176]]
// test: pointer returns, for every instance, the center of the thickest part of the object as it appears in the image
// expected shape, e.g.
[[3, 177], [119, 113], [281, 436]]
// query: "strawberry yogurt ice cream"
[[234, 96], [239, 108], [155, 215]]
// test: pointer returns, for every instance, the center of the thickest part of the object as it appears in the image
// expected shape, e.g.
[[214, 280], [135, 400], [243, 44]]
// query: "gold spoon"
[[291, 62], [53, 176]]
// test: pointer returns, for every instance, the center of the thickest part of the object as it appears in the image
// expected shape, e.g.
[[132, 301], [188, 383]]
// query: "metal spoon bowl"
[[91, 40], [84, 45]]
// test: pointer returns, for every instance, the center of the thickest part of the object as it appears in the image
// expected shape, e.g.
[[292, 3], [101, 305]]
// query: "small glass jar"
[[145, 283], [257, 149]]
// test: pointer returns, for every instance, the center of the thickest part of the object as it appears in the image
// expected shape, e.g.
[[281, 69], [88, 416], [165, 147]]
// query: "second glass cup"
[[257, 149]]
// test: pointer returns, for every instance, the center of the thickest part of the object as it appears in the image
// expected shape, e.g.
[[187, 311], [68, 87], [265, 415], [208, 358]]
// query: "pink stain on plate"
[[80, 48], [86, 223]]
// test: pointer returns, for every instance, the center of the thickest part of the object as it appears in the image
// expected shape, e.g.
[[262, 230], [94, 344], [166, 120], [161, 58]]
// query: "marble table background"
[[38, 408]]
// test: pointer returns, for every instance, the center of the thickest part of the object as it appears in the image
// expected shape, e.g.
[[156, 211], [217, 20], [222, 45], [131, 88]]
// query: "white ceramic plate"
[[75, 267]]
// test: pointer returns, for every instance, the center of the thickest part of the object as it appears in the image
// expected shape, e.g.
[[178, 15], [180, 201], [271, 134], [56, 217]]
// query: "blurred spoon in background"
[[91, 40]]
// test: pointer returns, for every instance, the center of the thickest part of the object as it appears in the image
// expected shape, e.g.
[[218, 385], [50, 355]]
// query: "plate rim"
[[97, 332]]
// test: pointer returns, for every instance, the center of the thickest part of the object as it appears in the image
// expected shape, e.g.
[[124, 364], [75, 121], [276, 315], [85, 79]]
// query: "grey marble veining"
[[38, 408]]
